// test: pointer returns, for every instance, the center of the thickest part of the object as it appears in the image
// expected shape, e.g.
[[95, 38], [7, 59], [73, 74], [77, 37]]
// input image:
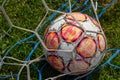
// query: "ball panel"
[[94, 21], [87, 47], [76, 16], [101, 42], [96, 60], [66, 46], [52, 40], [70, 33], [56, 62], [78, 66], [57, 23], [89, 26]]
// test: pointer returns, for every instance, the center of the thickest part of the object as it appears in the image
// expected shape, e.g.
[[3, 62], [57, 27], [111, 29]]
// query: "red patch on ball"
[[76, 16], [87, 47], [52, 40], [78, 66], [101, 42], [56, 62], [70, 33]]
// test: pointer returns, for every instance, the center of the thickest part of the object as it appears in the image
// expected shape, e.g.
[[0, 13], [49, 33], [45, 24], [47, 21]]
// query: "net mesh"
[[29, 62]]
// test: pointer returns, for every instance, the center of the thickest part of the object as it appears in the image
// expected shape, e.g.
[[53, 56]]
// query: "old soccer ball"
[[77, 43]]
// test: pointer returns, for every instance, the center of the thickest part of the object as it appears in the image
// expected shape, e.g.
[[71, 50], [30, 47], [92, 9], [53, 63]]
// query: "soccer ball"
[[77, 43]]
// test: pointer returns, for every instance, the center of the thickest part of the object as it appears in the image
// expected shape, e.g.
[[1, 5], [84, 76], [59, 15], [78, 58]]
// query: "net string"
[[34, 32], [8, 20]]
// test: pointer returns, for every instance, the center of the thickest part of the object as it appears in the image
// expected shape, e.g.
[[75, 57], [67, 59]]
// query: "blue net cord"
[[108, 62], [40, 70], [9, 76], [36, 44]]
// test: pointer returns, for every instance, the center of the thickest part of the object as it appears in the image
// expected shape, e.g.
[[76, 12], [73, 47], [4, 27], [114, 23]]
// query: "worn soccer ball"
[[77, 43]]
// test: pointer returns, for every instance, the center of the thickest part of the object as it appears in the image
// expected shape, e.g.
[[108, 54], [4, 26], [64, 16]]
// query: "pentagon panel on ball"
[[81, 36]]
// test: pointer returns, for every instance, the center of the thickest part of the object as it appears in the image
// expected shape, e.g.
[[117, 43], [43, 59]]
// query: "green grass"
[[28, 13]]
